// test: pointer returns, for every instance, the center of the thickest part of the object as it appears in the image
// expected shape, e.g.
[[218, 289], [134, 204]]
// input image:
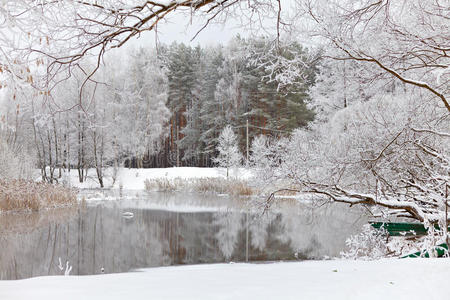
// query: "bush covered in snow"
[[374, 243], [369, 244]]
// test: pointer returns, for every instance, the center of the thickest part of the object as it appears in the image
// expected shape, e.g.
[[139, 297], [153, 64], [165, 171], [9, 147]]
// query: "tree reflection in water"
[[98, 237]]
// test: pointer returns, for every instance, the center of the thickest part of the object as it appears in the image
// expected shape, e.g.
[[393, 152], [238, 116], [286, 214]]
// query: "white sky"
[[181, 28]]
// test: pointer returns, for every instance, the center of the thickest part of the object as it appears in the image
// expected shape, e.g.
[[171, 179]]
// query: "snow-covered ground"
[[133, 179], [332, 279]]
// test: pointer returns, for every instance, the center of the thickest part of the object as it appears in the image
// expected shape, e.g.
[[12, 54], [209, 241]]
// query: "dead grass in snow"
[[234, 187], [24, 195]]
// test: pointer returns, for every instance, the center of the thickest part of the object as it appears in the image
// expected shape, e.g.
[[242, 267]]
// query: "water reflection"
[[98, 238]]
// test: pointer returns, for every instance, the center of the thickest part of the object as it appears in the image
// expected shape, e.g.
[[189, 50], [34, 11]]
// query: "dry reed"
[[23, 195], [234, 187]]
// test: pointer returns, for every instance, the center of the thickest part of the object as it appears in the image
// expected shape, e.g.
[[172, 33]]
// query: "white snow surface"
[[330, 279], [133, 179]]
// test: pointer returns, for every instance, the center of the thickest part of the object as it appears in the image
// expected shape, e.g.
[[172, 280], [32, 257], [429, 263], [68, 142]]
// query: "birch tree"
[[229, 155]]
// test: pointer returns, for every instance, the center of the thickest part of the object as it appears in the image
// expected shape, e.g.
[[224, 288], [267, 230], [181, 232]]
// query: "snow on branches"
[[43, 38], [405, 40], [229, 155], [373, 154]]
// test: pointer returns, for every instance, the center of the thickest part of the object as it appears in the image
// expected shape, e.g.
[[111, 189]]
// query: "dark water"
[[98, 237]]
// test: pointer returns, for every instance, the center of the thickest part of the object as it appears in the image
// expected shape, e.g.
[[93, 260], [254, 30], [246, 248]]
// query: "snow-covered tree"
[[182, 63], [63, 33], [389, 153], [229, 155], [210, 118], [191, 143], [266, 153], [67, 31], [139, 93], [382, 91], [341, 83], [404, 41]]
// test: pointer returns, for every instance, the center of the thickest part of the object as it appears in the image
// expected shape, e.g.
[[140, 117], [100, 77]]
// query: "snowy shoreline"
[[320, 279], [329, 279], [133, 179]]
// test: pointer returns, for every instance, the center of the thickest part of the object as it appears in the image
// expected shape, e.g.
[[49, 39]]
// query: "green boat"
[[440, 251], [410, 229], [401, 229]]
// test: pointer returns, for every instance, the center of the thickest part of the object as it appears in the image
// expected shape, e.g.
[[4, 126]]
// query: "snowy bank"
[[133, 179], [333, 279]]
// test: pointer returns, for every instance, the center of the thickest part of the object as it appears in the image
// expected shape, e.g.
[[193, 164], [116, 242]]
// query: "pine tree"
[[181, 65], [190, 142], [212, 122]]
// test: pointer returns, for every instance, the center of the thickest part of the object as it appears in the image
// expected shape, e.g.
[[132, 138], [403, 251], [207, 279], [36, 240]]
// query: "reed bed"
[[234, 187], [24, 195]]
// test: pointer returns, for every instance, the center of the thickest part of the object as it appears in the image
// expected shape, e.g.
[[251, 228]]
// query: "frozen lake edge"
[[335, 279]]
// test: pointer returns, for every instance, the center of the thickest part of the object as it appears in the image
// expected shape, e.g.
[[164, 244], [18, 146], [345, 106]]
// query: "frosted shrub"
[[369, 244], [373, 243], [428, 243]]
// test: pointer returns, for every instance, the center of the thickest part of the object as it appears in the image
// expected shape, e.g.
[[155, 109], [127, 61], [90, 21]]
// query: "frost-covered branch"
[[404, 40], [368, 155]]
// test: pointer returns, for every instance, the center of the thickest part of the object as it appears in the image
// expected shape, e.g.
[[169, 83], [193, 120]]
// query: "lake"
[[125, 231]]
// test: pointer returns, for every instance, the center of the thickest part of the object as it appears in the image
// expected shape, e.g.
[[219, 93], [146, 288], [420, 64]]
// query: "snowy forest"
[[158, 108]]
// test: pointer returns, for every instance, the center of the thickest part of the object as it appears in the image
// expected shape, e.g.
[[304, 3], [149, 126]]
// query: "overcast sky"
[[181, 28]]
